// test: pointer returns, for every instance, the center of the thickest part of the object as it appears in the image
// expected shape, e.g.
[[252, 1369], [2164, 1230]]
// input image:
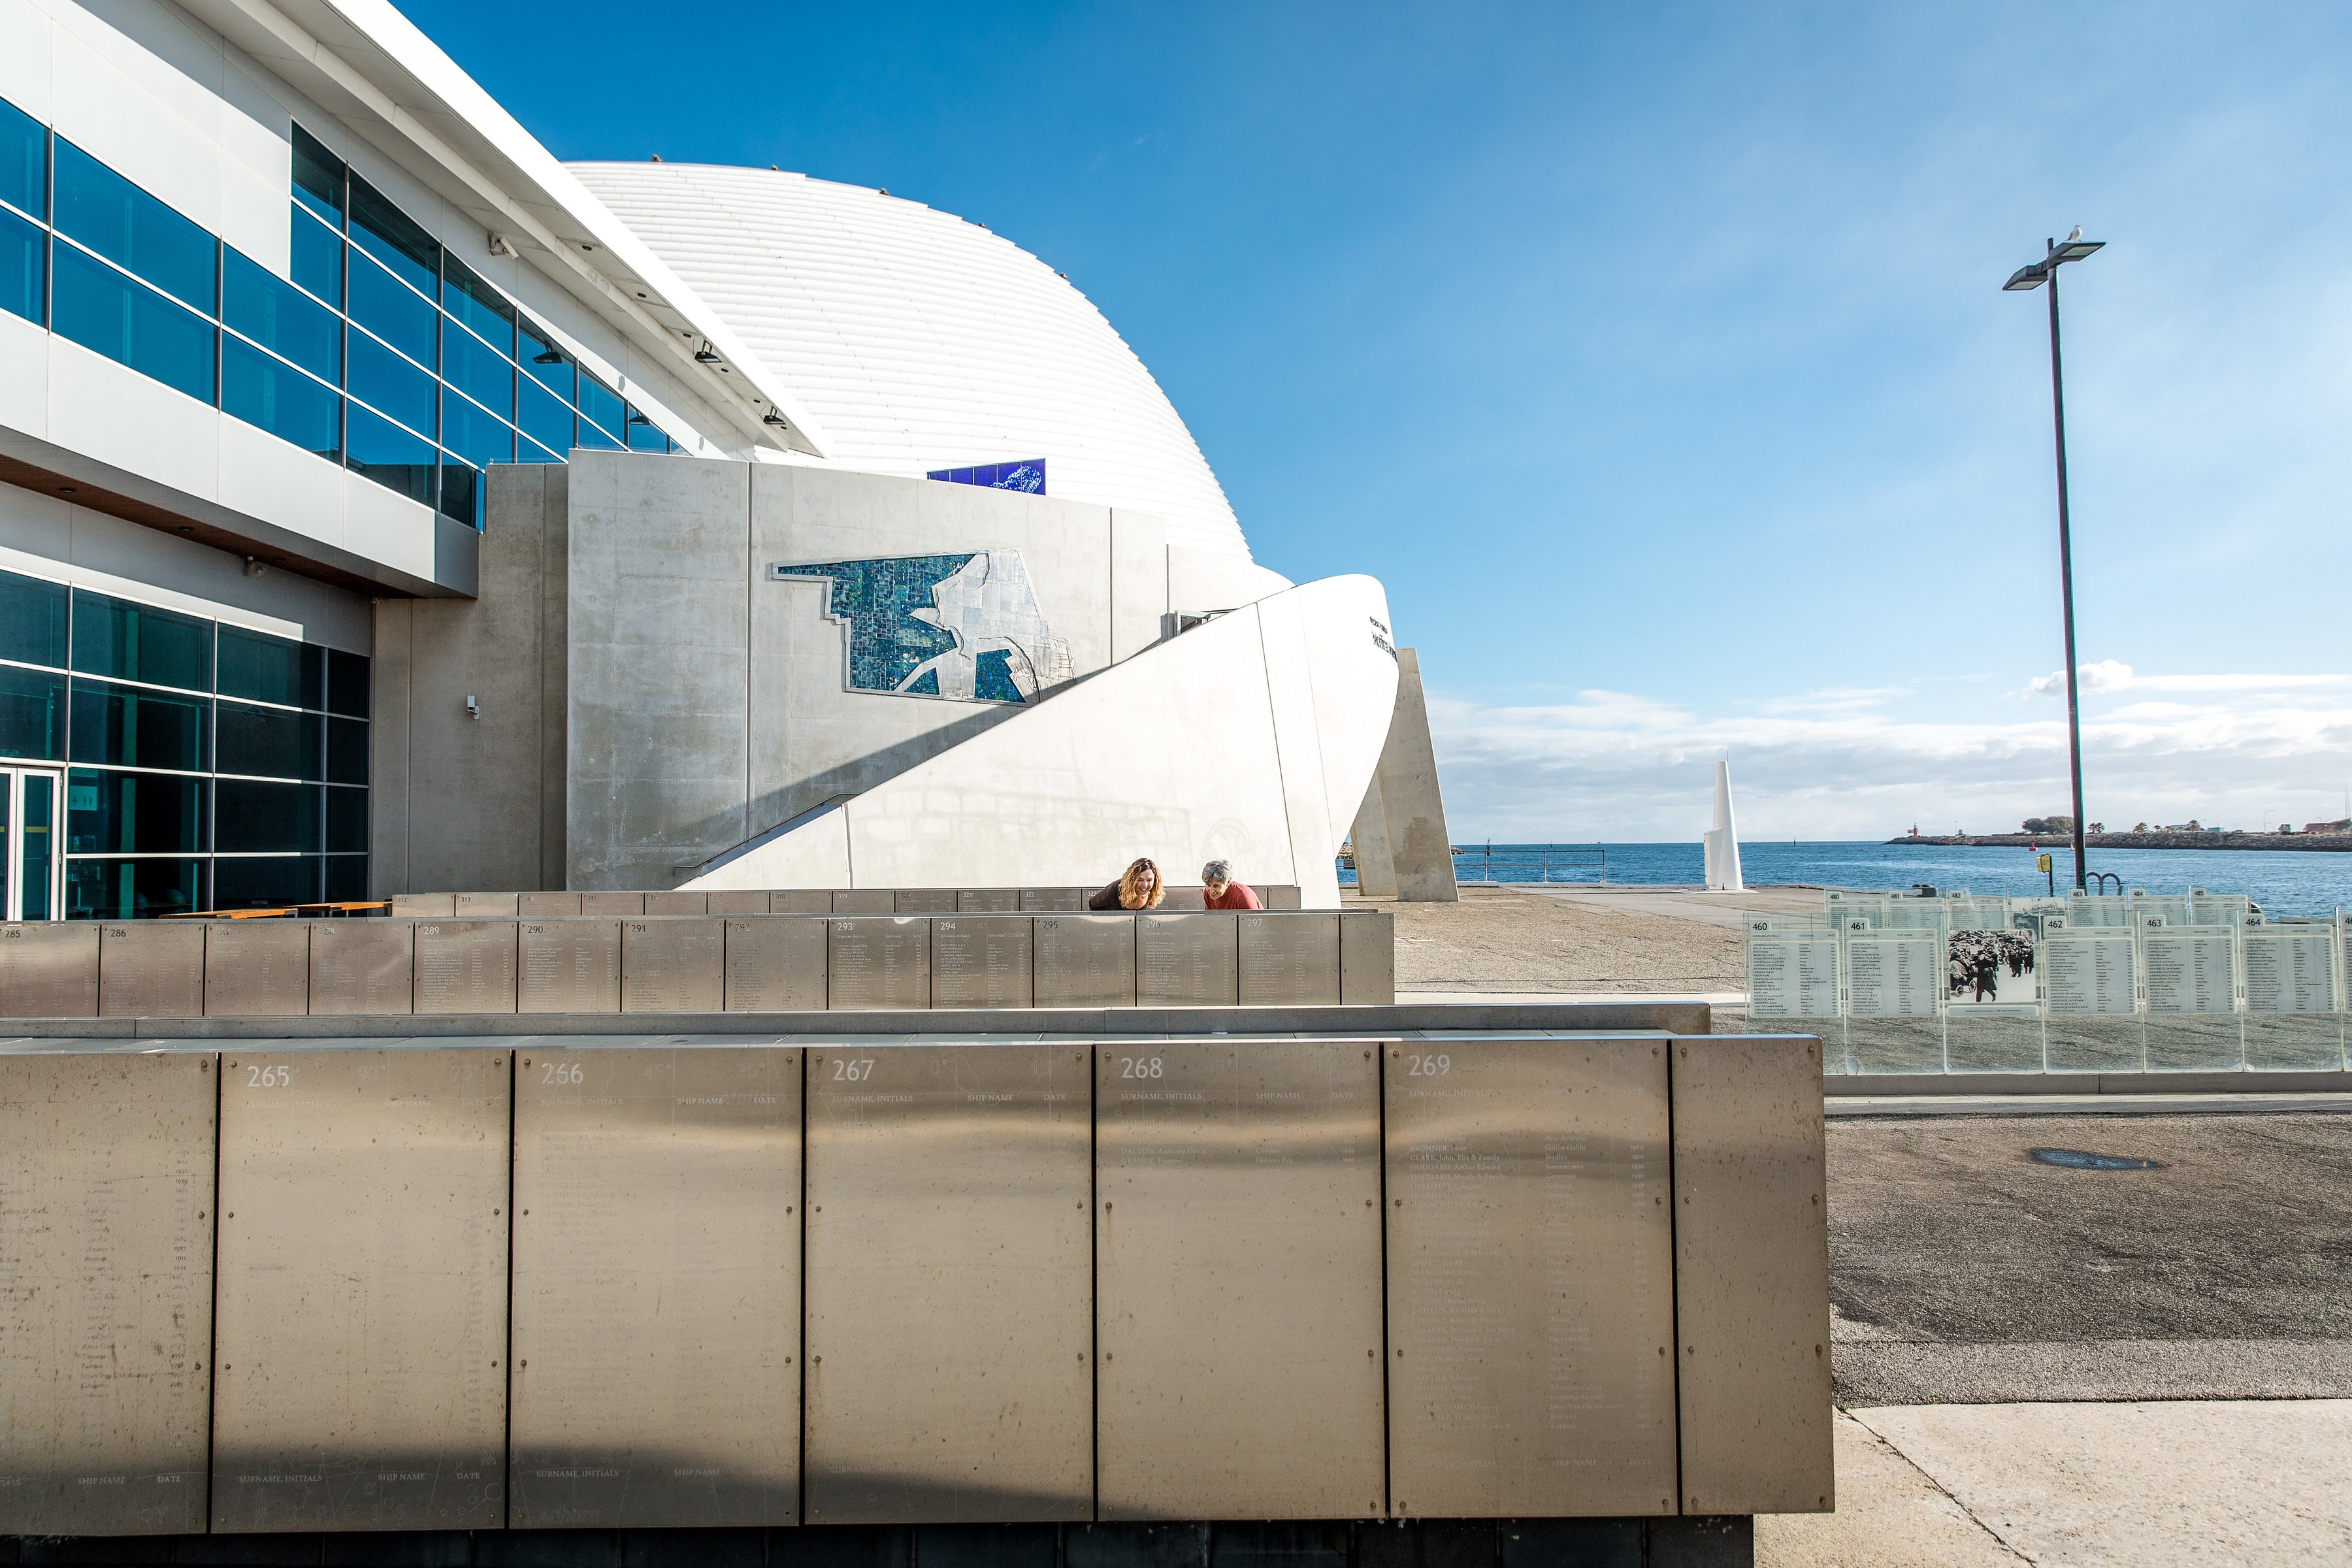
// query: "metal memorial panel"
[[362, 1291], [676, 965], [487, 906], [1083, 960], [1751, 1277], [1290, 960], [106, 1204], [547, 906], [568, 966], [925, 900], [1530, 1272], [742, 901], [800, 901], [360, 967], [258, 969], [1054, 900], [864, 901], [49, 969], [1280, 896], [678, 903], [1238, 1312], [612, 903], [656, 1288], [465, 966], [877, 963], [948, 1285], [423, 905], [1368, 958], [151, 969], [1187, 960], [980, 961], [988, 901], [775, 965]]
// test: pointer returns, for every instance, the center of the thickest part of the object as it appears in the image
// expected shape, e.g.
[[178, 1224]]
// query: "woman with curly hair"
[[1140, 887]]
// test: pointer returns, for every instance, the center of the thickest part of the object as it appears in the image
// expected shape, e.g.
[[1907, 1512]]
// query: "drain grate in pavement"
[[2083, 1159]]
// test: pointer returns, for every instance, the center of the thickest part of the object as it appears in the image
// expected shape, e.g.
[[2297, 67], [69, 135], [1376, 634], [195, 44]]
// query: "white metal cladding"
[[921, 341]]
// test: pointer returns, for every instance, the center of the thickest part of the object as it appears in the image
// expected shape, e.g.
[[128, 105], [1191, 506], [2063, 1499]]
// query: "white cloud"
[[1615, 765], [2108, 675]]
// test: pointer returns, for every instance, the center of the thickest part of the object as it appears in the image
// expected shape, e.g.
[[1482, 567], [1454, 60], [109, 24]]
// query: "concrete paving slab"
[[2149, 1485], [1930, 1105], [1890, 1514], [1885, 1371]]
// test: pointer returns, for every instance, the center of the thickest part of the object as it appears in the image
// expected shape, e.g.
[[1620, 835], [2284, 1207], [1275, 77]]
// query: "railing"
[[1538, 859]]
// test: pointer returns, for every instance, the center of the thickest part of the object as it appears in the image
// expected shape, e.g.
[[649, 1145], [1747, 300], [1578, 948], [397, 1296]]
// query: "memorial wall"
[[468, 1288], [2140, 983], [672, 963]]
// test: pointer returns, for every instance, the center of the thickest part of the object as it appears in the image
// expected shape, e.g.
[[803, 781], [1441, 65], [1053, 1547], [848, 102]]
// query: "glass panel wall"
[[384, 354], [210, 766]]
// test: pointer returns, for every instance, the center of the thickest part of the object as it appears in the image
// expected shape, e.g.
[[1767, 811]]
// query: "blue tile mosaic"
[[1028, 476], [966, 627]]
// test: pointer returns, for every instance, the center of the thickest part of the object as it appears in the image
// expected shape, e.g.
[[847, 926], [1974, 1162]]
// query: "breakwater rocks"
[[2177, 840]]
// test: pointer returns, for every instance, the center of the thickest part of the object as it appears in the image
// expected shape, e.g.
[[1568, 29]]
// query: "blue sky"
[[1655, 357]]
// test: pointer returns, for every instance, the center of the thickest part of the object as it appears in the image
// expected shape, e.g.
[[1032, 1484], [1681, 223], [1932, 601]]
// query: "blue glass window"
[[546, 419], [390, 456], [281, 318], [318, 178], [347, 822], [282, 400], [395, 239], [268, 742], [101, 309], [645, 435], [24, 161], [473, 435], [271, 669], [392, 312], [32, 620], [477, 371], [122, 223], [604, 408], [317, 257], [592, 438], [529, 451], [23, 267], [133, 889], [133, 814], [390, 383], [265, 881], [461, 493], [129, 727], [542, 360], [264, 816], [32, 713], [131, 641], [464, 296]]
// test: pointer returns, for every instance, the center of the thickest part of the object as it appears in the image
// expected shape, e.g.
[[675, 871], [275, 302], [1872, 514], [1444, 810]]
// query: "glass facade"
[[384, 354], [206, 765]]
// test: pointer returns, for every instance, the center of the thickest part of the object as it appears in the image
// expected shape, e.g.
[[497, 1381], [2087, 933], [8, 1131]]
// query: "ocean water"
[[2281, 881]]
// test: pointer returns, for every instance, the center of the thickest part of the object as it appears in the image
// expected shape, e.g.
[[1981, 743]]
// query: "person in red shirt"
[[1220, 891]]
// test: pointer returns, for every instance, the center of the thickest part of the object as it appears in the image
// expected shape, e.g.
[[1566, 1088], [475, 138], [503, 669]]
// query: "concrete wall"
[[1419, 851], [475, 803]]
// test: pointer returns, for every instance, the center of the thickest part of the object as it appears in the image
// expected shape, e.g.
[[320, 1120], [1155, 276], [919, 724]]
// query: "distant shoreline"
[[2341, 842]]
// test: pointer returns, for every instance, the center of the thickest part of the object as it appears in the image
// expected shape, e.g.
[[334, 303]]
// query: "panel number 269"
[[1428, 1066]]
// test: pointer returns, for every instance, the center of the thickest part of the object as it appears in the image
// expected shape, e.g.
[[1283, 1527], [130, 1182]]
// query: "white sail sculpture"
[[1722, 840]]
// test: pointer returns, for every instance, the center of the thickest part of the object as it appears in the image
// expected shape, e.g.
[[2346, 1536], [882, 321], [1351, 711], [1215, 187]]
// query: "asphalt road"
[[1964, 1272]]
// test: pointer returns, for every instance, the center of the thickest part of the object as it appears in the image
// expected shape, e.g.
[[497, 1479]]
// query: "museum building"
[[386, 506]]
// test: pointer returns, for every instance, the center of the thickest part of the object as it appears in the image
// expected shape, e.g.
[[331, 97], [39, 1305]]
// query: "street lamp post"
[[2025, 278]]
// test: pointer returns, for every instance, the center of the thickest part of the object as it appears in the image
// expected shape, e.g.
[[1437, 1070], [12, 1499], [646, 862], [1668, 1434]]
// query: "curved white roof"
[[920, 341]]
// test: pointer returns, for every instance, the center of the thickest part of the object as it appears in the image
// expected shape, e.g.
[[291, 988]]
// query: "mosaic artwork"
[[1027, 477], [967, 627]]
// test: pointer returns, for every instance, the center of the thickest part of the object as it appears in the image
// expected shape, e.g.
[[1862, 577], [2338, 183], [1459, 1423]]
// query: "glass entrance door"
[[35, 860]]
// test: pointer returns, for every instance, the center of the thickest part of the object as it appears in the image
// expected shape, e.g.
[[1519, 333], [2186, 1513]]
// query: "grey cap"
[[1217, 871]]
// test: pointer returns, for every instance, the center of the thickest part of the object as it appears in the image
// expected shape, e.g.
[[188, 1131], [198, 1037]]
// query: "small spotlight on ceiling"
[[706, 354], [548, 356], [776, 419]]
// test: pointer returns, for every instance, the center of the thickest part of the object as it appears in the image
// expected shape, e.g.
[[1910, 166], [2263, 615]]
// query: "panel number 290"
[[1428, 1066]]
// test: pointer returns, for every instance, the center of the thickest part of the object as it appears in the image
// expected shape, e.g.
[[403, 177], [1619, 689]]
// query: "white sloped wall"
[[1252, 738]]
